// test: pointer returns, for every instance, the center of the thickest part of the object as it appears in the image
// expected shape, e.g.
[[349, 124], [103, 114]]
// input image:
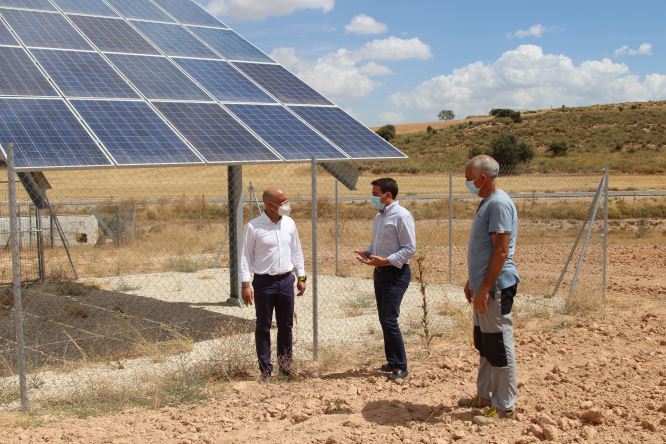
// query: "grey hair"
[[486, 165]]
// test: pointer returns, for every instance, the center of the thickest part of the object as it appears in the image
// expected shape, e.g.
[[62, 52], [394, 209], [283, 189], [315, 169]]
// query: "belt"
[[273, 276], [384, 268]]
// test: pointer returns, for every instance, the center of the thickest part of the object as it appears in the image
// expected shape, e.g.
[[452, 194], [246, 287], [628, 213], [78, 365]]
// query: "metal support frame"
[[15, 240], [315, 295], [235, 219], [337, 229], [604, 259]]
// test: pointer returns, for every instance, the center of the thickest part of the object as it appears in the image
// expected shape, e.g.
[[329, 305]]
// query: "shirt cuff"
[[394, 261], [246, 277], [300, 272]]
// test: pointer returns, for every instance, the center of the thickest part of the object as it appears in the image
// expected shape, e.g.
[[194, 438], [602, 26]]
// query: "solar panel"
[[113, 35], [46, 134], [282, 84], [214, 133], [6, 37], [230, 45], [174, 40], [133, 133], [348, 134], [189, 13], [96, 7], [157, 77], [46, 30], [40, 5], [140, 9], [290, 137], [83, 74], [20, 77], [223, 81]]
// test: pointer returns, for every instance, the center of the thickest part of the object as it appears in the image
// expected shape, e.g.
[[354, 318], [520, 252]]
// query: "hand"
[[480, 301], [248, 295], [301, 288], [468, 293]]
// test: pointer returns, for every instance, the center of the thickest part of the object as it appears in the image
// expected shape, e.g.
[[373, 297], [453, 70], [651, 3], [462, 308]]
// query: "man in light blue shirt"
[[393, 245], [491, 287]]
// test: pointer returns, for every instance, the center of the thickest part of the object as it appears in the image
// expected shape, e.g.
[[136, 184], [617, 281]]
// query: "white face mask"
[[284, 209]]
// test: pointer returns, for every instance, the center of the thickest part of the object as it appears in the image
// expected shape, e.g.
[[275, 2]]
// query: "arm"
[[247, 259], [407, 240], [298, 260]]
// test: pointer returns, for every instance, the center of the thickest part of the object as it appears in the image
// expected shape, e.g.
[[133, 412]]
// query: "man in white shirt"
[[393, 245], [272, 252]]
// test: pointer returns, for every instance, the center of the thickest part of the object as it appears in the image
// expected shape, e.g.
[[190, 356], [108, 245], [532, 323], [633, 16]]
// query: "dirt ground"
[[597, 375]]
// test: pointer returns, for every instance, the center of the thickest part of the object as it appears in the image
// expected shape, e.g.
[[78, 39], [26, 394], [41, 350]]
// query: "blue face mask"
[[377, 203], [472, 188]]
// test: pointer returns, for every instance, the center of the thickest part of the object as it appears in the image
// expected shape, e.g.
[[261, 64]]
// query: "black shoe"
[[265, 377], [284, 377], [386, 368], [398, 374]]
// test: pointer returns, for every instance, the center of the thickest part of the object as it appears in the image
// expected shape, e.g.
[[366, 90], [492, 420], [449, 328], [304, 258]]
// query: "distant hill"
[[627, 137]]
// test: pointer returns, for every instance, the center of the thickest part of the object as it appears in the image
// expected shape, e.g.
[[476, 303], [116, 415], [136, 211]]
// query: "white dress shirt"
[[271, 248], [394, 235]]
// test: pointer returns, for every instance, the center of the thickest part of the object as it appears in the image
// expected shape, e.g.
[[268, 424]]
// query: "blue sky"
[[402, 61]]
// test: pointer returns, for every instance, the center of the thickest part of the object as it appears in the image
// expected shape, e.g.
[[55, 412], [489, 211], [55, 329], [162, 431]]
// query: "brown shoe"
[[474, 402], [491, 415]]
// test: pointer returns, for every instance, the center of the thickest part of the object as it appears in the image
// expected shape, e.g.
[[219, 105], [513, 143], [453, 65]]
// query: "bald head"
[[273, 195], [482, 164]]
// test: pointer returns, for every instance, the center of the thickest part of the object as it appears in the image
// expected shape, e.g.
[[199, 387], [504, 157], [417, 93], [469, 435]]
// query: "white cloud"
[[526, 78], [643, 49], [394, 48], [364, 24], [536, 31], [390, 117], [260, 9], [348, 74]]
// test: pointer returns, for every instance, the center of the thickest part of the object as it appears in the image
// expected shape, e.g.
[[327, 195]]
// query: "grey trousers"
[[493, 337]]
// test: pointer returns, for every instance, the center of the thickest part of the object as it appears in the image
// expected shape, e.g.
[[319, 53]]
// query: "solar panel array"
[[97, 83]]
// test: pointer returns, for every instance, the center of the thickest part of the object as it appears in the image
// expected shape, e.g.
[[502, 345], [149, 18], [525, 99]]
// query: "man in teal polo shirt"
[[491, 287]]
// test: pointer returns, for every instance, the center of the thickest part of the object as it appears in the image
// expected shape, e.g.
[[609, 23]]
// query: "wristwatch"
[[302, 278]]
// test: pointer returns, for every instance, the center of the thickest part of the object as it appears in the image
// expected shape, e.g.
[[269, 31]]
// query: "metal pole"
[[604, 259], [315, 308], [235, 206], [337, 230], [40, 245], [16, 276], [581, 257], [450, 227], [250, 193]]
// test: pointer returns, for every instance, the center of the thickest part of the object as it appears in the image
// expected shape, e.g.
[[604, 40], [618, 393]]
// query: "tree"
[[476, 151], [505, 112], [508, 151], [386, 132], [446, 114], [558, 148]]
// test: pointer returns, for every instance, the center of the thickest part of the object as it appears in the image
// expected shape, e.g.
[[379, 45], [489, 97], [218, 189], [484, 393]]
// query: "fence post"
[[16, 276], [604, 259], [337, 230], [315, 302], [450, 227]]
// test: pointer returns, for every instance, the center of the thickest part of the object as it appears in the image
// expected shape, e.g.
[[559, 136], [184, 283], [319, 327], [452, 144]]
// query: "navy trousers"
[[274, 293], [390, 286]]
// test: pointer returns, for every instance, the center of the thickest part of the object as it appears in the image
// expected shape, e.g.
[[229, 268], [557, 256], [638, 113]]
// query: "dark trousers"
[[390, 286], [274, 293]]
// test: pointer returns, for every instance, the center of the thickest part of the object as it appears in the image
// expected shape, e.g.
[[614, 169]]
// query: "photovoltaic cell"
[[113, 35], [140, 9], [174, 40], [19, 76], [6, 37], [46, 134], [44, 30], [189, 13], [230, 45], [96, 7], [133, 133], [282, 84], [157, 77], [348, 134], [290, 137], [40, 5], [223, 81], [214, 133], [83, 74]]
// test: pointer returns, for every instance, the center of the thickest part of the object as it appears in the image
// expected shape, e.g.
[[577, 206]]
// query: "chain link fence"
[[136, 282]]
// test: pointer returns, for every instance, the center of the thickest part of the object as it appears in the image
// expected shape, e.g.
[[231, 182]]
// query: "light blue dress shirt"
[[394, 235]]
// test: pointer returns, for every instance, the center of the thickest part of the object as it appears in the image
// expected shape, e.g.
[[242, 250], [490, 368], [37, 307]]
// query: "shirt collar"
[[268, 219], [388, 209]]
